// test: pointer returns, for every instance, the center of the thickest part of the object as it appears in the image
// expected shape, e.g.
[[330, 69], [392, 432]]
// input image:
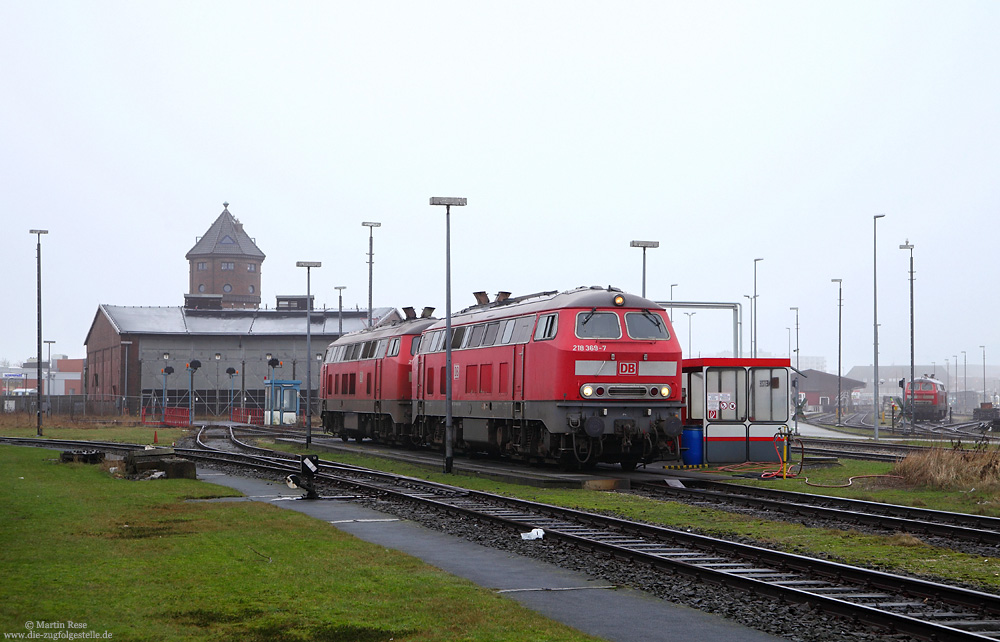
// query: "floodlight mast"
[[449, 428], [371, 259], [644, 245], [308, 265]]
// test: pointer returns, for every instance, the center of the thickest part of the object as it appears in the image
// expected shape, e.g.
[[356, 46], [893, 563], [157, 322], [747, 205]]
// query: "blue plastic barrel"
[[692, 446]]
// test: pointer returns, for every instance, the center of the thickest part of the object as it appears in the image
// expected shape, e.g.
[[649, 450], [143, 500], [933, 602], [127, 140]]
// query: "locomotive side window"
[[477, 336], [645, 325], [383, 345], [457, 336], [414, 346], [522, 329], [491, 333], [548, 324], [598, 325], [508, 331]]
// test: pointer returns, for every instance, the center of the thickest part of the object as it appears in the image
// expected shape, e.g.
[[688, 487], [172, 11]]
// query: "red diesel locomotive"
[[579, 377], [928, 397]]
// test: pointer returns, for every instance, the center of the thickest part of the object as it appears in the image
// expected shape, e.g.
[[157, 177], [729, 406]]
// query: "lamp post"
[[689, 315], [38, 386], [449, 428], [165, 371], [231, 371], [644, 245], [48, 375], [126, 344], [192, 366], [955, 357], [796, 310], [309, 265], [371, 225], [875, 312], [984, 373], [672, 286], [753, 304], [840, 318], [340, 308], [965, 380], [909, 246], [218, 358]]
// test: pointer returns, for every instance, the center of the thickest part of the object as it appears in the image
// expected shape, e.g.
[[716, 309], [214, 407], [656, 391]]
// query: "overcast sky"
[[727, 131]]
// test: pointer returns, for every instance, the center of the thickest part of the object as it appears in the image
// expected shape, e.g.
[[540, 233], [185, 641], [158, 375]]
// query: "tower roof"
[[225, 238]]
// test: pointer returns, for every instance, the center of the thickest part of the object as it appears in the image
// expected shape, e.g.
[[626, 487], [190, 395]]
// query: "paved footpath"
[[569, 597]]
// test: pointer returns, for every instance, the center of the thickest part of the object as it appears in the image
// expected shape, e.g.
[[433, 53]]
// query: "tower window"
[[227, 265], [201, 287], [227, 288], [251, 267], [202, 266], [252, 289]]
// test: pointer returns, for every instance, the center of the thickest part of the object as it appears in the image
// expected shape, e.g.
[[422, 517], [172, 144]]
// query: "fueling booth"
[[281, 402], [733, 409]]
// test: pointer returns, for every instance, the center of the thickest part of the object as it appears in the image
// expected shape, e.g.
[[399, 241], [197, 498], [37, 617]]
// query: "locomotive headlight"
[[665, 391], [587, 391], [619, 300]]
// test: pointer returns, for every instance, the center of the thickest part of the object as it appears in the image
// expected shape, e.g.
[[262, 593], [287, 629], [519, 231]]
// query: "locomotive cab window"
[[646, 325], [598, 325], [547, 326]]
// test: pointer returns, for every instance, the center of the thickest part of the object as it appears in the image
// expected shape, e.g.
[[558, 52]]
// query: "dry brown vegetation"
[[950, 469]]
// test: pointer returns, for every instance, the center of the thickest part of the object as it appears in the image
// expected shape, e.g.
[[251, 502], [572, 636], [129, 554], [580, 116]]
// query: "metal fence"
[[208, 404]]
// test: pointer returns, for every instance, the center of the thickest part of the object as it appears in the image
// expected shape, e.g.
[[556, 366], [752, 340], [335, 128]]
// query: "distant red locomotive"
[[579, 377], [929, 398]]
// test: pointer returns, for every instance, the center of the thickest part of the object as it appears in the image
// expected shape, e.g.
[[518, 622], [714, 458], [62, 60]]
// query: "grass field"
[[137, 560], [864, 480]]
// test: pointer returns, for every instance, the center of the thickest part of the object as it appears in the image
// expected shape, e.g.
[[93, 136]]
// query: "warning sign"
[[713, 414]]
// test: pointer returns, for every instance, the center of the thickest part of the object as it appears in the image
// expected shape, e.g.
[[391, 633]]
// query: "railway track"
[[901, 605], [978, 529]]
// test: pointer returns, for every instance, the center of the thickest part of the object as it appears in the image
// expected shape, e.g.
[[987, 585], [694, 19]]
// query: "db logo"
[[628, 368]]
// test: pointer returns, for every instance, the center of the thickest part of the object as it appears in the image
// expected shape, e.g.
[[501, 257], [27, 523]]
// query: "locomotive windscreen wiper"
[[655, 318], [589, 314]]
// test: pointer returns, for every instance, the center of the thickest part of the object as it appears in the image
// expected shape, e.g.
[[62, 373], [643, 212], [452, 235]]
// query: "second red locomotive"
[[579, 377], [928, 397]]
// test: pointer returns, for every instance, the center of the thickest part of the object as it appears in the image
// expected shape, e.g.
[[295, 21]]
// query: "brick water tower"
[[224, 267]]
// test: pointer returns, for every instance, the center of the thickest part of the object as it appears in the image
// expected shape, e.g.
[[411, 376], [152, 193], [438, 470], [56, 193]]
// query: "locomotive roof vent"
[[502, 296], [481, 298], [409, 313], [426, 314]]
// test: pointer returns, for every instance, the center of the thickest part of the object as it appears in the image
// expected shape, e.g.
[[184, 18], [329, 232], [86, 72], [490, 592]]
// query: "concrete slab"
[[570, 597]]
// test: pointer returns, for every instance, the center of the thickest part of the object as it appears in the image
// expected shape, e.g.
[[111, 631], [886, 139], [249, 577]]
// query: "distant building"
[[819, 389], [220, 325], [63, 376], [128, 349]]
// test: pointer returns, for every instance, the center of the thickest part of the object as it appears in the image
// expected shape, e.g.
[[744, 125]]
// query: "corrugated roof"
[[178, 320], [225, 237]]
